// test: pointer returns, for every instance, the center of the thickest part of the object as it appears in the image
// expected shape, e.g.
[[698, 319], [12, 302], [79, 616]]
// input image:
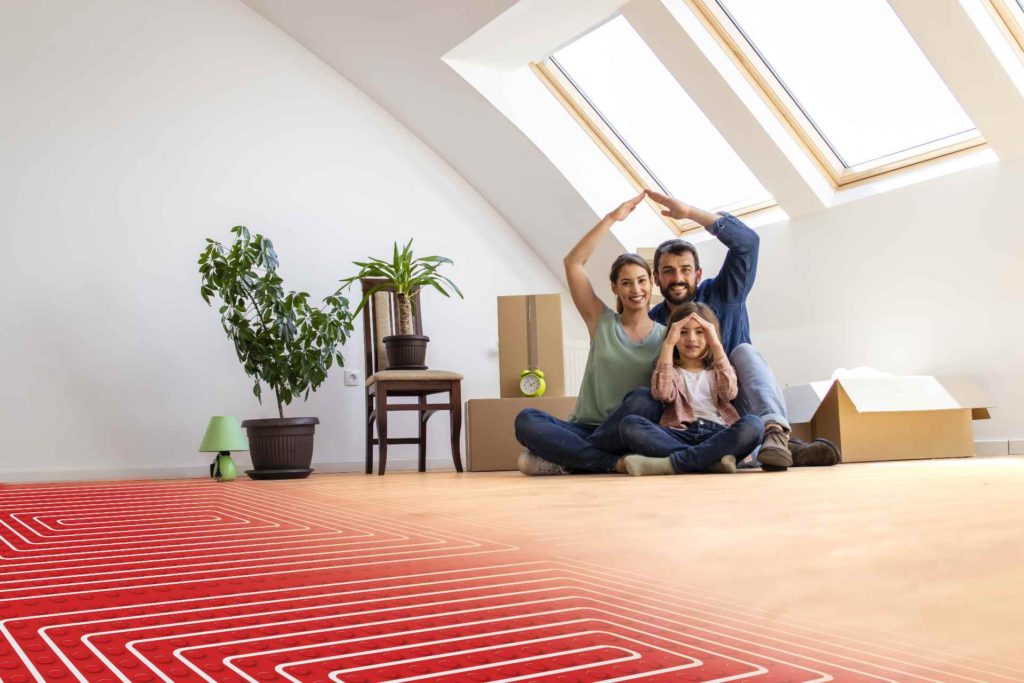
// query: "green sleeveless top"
[[615, 366]]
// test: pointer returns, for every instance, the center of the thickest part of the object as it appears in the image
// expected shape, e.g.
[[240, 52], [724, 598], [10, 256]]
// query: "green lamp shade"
[[223, 434]]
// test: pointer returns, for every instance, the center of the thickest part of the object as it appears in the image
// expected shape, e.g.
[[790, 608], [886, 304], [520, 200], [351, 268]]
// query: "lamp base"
[[223, 467]]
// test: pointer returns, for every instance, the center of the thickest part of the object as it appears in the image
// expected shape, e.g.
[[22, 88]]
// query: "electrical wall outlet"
[[351, 378]]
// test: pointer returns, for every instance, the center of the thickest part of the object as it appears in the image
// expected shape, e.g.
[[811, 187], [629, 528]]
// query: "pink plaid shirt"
[[667, 386]]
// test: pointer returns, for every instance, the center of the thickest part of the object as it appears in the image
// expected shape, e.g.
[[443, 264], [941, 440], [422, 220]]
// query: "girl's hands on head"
[[675, 331], [626, 208], [710, 333]]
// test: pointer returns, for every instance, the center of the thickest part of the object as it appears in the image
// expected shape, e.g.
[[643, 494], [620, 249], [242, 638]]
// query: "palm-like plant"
[[404, 274]]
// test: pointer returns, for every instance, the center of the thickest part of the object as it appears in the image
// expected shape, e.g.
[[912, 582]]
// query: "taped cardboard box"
[[490, 431], [890, 418], [515, 319]]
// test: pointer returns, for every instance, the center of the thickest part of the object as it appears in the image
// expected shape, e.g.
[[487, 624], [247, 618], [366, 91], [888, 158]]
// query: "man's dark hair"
[[677, 247]]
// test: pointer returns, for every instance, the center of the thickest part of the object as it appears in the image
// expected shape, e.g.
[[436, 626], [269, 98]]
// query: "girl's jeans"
[[698, 446]]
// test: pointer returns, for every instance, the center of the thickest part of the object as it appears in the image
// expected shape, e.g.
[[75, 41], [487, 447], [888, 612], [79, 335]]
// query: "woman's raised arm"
[[582, 290]]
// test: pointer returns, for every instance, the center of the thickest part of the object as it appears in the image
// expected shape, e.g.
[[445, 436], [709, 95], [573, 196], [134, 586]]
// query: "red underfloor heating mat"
[[257, 581]]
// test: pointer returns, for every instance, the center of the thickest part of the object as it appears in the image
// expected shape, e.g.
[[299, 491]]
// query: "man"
[[677, 274]]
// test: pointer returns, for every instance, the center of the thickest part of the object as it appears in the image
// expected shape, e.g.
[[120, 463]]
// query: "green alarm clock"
[[531, 383]]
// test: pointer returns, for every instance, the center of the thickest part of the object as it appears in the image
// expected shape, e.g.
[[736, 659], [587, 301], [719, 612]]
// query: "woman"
[[623, 347]]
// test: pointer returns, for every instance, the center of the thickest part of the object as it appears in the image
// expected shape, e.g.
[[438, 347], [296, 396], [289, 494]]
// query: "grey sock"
[[641, 465]]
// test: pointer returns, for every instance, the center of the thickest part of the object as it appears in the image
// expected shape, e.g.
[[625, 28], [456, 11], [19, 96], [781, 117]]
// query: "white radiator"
[[575, 363]]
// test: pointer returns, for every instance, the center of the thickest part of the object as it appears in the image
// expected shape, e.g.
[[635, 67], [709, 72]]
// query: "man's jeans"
[[582, 447], [697, 447], [759, 393]]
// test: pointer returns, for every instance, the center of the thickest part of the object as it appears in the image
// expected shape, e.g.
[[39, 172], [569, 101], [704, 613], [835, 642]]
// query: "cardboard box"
[[490, 429], [513, 343], [890, 418]]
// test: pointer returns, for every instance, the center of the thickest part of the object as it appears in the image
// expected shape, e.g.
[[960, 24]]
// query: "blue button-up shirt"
[[726, 293]]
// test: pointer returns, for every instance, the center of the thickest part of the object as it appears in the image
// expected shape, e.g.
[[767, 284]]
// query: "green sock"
[[641, 465], [727, 465]]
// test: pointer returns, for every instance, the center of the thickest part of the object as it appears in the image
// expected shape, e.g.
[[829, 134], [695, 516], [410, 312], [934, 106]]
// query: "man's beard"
[[687, 294]]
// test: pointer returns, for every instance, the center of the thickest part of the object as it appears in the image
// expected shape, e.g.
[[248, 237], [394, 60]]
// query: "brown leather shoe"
[[817, 453], [774, 455]]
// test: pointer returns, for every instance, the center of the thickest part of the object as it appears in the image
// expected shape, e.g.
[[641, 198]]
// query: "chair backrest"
[[379, 317]]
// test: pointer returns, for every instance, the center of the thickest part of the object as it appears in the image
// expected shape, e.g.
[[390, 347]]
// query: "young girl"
[[699, 430]]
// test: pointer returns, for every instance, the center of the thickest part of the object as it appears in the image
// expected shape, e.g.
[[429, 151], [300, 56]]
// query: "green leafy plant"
[[280, 339], [405, 274]]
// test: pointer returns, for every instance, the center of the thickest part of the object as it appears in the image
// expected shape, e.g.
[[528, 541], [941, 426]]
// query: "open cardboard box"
[[491, 429], [890, 418]]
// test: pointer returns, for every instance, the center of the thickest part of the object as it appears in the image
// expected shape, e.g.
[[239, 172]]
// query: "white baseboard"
[[988, 449], [982, 449], [186, 472]]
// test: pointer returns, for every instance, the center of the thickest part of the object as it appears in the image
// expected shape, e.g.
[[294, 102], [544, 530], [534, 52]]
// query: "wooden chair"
[[381, 383]]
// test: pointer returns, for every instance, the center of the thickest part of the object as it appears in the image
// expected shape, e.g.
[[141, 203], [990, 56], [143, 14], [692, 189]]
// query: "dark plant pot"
[[281, 448], [406, 351]]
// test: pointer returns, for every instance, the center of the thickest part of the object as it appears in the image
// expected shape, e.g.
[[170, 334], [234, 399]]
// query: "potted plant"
[[281, 341], [404, 274]]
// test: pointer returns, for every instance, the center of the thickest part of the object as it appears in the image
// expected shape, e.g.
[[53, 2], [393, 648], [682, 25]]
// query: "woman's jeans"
[[583, 447], [697, 447]]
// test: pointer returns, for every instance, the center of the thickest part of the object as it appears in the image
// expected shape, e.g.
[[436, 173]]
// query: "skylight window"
[[659, 132], [856, 88]]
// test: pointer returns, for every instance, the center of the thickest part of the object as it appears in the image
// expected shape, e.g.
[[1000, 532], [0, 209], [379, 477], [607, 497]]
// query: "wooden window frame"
[[1008, 21], [771, 89], [624, 159]]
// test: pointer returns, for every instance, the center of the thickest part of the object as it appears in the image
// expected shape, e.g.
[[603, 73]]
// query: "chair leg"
[[369, 434], [382, 428], [424, 416], [455, 398]]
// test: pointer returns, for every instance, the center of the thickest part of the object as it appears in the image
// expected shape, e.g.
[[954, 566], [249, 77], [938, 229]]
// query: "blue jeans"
[[759, 393], [697, 447], [583, 447]]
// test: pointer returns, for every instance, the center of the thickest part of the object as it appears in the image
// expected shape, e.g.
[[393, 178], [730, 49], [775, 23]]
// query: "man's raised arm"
[[736, 278]]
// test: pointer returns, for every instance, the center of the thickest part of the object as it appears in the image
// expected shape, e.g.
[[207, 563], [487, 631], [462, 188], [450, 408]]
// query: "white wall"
[[132, 131], [919, 280], [394, 52]]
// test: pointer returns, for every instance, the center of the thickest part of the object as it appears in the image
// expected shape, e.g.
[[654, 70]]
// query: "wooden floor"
[[909, 571], [927, 552]]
